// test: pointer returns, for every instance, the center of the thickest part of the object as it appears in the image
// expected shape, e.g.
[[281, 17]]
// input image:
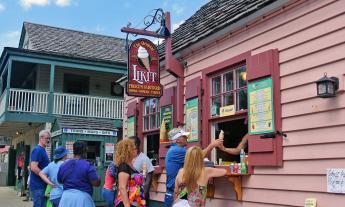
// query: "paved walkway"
[[8, 198]]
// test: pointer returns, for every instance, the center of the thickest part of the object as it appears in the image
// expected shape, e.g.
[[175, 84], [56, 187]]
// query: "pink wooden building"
[[222, 48]]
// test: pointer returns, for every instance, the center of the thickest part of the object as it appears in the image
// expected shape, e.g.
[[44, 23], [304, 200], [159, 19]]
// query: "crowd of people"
[[128, 178]]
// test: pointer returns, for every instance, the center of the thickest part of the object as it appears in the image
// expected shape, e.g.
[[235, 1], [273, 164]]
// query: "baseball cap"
[[177, 133]]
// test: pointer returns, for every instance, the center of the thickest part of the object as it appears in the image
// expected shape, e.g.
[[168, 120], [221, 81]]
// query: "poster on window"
[[69, 147], [109, 151], [131, 126], [166, 115], [260, 102], [192, 119]]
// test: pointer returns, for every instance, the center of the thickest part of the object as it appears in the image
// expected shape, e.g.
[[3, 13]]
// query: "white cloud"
[[26, 4], [63, 3], [157, 41], [99, 28], [9, 39], [177, 9], [176, 25], [2, 7]]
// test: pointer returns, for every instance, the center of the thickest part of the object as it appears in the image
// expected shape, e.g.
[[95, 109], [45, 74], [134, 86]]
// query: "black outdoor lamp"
[[163, 30], [326, 87]]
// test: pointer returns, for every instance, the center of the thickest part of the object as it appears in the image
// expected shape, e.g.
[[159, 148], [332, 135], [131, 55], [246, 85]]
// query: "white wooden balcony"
[[29, 101]]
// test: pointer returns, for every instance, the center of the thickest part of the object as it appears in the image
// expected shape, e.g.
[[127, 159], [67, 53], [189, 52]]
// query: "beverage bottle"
[[242, 155], [243, 168], [144, 167]]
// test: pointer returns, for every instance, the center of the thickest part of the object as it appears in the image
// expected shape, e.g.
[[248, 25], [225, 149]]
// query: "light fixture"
[[243, 75], [327, 86]]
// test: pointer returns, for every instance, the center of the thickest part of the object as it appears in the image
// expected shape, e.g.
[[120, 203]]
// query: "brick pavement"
[[8, 198]]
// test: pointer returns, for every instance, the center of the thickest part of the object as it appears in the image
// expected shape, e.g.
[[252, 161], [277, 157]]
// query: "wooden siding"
[[310, 37]]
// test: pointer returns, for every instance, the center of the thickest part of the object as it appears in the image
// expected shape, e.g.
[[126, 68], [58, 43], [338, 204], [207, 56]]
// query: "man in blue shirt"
[[174, 159], [39, 160]]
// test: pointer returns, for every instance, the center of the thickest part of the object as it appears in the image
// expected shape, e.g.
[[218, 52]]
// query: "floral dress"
[[196, 198], [135, 187]]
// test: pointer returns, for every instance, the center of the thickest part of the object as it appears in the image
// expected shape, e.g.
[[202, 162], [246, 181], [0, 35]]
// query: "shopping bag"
[[181, 203]]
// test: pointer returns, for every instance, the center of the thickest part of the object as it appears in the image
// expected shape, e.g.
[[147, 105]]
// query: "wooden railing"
[[22, 100], [88, 106]]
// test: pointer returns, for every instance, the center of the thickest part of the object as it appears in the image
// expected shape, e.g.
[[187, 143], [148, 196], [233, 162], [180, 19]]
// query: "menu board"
[[167, 117], [192, 119], [131, 126], [260, 102]]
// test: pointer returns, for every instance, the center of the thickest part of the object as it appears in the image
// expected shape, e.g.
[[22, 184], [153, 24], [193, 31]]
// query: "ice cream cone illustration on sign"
[[163, 134], [144, 58]]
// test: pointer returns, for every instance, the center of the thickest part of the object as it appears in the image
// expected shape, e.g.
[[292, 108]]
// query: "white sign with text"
[[336, 180]]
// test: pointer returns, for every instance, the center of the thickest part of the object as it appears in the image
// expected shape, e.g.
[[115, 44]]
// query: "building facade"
[[226, 48], [66, 81]]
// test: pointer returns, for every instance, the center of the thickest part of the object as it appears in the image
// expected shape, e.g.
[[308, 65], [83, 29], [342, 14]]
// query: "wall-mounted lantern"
[[327, 86]]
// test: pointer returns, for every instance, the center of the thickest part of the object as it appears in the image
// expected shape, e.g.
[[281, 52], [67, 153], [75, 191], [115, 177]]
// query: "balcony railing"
[[22, 100], [90, 106]]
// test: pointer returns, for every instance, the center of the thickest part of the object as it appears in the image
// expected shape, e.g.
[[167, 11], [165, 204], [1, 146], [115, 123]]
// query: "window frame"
[[149, 115], [235, 89]]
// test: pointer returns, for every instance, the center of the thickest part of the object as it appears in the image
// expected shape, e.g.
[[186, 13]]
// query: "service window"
[[229, 88], [234, 131], [152, 148], [151, 114]]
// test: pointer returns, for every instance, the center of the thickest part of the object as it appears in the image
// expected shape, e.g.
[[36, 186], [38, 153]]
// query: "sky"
[[105, 17]]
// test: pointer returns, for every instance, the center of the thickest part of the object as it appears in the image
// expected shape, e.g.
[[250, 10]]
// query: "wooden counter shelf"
[[235, 180]]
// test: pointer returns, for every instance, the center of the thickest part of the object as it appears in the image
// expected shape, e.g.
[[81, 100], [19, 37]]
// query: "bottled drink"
[[242, 155], [243, 168]]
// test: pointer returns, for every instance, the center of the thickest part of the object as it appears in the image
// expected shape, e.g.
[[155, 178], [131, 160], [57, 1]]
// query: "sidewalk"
[[8, 198]]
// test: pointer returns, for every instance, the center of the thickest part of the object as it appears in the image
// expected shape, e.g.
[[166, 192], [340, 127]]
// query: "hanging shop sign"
[[131, 126], [260, 102], [109, 151], [192, 119], [227, 110], [89, 131], [166, 115], [143, 70]]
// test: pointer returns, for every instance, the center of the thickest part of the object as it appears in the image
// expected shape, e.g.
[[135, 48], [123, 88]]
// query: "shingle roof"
[[212, 17], [85, 123], [75, 43]]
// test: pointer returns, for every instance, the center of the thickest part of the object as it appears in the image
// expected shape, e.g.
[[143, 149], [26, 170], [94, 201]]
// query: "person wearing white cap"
[[174, 159]]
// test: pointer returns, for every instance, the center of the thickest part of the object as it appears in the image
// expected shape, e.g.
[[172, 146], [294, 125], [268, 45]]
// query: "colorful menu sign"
[[166, 117], [143, 69], [69, 147], [131, 126], [260, 102], [192, 119]]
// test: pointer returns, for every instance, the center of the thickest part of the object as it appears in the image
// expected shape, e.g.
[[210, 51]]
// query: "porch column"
[[8, 85], [51, 90]]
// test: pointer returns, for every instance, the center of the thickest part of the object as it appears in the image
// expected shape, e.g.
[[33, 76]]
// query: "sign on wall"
[[69, 147], [260, 102], [192, 119], [131, 126], [336, 180], [166, 117], [143, 70], [109, 151], [227, 110]]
